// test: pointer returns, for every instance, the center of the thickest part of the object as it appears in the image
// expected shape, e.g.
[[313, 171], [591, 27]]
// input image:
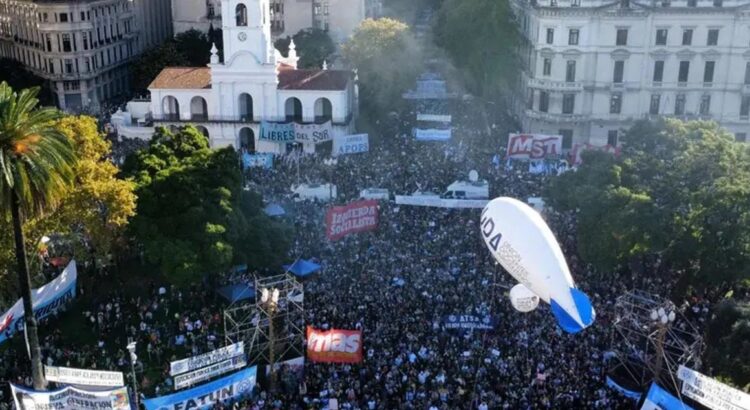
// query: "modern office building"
[[81, 47], [593, 67], [287, 17]]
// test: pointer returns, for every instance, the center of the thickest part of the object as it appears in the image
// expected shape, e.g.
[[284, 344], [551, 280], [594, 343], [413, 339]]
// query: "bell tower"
[[246, 28]]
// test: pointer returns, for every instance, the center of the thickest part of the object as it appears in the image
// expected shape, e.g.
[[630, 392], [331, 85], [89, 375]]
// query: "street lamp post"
[[331, 163], [270, 298], [133, 359], [662, 319]]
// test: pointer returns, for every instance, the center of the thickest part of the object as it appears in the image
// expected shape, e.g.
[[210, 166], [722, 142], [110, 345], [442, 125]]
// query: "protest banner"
[[355, 217], [313, 133], [234, 386], [351, 144], [437, 202], [468, 322], [711, 393], [209, 372], [576, 157], [206, 359], [276, 132], [83, 377], [534, 146], [264, 160], [432, 134], [434, 118], [70, 398], [334, 346], [47, 300]]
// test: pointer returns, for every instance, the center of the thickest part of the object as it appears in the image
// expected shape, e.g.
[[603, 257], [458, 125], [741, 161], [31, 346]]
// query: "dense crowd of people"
[[396, 284]]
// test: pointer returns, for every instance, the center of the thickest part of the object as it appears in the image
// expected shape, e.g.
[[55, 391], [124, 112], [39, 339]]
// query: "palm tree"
[[36, 166]]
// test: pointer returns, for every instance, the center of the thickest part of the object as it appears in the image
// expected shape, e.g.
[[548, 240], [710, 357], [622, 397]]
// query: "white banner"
[[434, 117], [315, 133], [83, 377], [711, 393], [207, 359], [46, 300], [209, 372], [432, 134], [351, 144], [438, 202], [70, 398]]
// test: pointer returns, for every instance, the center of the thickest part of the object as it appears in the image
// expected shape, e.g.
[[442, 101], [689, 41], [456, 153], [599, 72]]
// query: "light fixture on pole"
[[331, 163], [270, 299], [133, 359]]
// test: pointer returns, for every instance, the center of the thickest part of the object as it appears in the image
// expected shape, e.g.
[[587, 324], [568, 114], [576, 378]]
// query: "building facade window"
[[687, 37], [661, 37], [66, 46], [543, 101], [658, 71], [708, 72], [615, 103], [622, 37], [573, 35], [63, 17], [692, 3], [682, 75], [713, 37], [679, 104], [550, 36], [570, 71], [747, 73], [547, 67], [745, 107], [653, 107], [569, 103], [612, 138], [619, 72], [740, 137], [567, 140], [705, 106]]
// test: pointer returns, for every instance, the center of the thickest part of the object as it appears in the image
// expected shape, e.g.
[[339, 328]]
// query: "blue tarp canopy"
[[274, 210], [235, 293], [302, 268]]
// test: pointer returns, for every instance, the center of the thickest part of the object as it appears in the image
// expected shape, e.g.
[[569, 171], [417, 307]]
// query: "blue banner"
[[432, 134], [228, 388], [625, 392], [658, 398], [351, 144], [46, 300], [277, 132], [264, 160], [468, 322]]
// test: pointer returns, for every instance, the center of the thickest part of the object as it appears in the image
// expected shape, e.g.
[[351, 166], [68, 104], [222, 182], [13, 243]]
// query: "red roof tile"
[[183, 77], [323, 80]]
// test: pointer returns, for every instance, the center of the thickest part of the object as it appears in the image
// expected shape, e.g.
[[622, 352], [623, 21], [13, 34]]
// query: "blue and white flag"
[[432, 134], [228, 388], [351, 144], [264, 160], [468, 322], [47, 300]]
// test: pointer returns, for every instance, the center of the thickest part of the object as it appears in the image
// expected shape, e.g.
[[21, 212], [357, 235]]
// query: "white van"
[[468, 190], [375, 193], [321, 192]]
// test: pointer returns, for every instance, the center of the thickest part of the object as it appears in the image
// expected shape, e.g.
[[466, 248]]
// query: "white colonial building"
[[228, 100], [82, 47], [593, 67]]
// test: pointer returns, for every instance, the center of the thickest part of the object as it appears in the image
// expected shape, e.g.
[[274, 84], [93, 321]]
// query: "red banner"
[[534, 146], [334, 346], [578, 149], [355, 217]]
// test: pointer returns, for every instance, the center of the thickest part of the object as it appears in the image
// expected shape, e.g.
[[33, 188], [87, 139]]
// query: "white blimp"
[[523, 244]]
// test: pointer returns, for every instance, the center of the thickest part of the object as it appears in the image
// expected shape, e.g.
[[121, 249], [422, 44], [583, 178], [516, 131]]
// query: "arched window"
[[323, 110], [247, 139], [203, 130], [246, 107], [198, 109], [293, 109], [171, 108], [240, 13]]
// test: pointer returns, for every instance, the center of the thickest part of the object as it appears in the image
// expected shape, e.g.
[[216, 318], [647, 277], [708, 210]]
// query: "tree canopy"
[[728, 334], [193, 217], [94, 210], [313, 47], [680, 190], [388, 61], [18, 77]]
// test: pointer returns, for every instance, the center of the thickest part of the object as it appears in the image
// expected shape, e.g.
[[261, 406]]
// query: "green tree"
[[192, 215], [728, 335], [150, 63], [313, 47], [678, 190], [195, 46], [482, 39], [18, 77], [96, 208], [388, 61], [36, 166]]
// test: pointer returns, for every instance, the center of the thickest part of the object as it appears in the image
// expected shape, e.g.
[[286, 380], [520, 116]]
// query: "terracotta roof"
[[324, 80], [183, 77]]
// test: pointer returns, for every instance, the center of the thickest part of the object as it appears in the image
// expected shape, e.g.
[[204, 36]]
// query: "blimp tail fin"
[[584, 308]]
